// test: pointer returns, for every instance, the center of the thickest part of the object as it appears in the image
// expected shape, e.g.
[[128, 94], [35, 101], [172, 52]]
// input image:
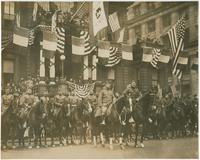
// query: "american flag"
[[176, 37], [60, 33], [114, 57], [6, 40], [155, 57], [88, 48], [114, 22]]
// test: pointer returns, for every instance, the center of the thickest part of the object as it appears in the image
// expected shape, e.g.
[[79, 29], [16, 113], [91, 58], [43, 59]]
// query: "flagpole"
[[77, 11]]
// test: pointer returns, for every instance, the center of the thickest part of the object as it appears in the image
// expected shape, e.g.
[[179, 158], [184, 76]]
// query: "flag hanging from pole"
[[78, 47], [127, 52], [114, 22], [20, 36], [98, 17], [49, 44], [176, 37]]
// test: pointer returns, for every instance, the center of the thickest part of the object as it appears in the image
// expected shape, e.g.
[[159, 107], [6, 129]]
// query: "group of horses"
[[71, 124]]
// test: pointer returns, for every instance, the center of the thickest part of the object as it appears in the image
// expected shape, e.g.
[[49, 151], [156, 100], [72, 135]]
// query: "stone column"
[[42, 66], [94, 67], [52, 70], [85, 68]]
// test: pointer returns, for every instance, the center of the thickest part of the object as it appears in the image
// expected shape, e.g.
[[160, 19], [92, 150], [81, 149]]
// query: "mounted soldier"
[[92, 99], [7, 99], [59, 102], [105, 101], [27, 100]]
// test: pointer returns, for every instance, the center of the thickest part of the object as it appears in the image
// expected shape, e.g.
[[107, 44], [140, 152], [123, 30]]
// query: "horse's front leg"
[[142, 135], [136, 134]]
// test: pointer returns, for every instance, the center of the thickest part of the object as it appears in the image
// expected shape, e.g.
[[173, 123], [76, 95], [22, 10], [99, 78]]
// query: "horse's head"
[[39, 109]]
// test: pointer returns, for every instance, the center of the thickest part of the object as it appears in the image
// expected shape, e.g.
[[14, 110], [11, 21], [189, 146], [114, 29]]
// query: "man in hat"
[[7, 99], [133, 92], [105, 100], [59, 102]]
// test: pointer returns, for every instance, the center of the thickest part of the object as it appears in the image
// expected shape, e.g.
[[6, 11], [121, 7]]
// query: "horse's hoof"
[[4, 147], [30, 147], [136, 146], [142, 145], [111, 147], [37, 147], [122, 147], [13, 147]]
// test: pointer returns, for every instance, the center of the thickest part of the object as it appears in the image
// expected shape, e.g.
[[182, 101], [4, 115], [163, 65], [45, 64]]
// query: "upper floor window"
[[151, 26], [8, 11], [166, 20]]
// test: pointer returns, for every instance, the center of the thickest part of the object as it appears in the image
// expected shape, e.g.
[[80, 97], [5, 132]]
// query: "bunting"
[[114, 57], [60, 33]]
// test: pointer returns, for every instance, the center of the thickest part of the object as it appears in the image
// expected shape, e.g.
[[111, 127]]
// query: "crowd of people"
[[25, 95]]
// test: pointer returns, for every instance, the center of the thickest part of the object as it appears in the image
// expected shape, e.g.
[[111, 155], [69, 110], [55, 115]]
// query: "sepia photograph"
[[99, 79]]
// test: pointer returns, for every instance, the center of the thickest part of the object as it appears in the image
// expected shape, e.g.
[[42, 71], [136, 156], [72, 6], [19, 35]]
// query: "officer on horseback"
[[59, 101], [74, 100], [105, 100], [7, 99], [134, 95]]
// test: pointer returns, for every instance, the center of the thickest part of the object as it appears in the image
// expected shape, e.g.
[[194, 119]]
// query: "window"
[[166, 20], [151, 26], [8, 11], [138, 31]]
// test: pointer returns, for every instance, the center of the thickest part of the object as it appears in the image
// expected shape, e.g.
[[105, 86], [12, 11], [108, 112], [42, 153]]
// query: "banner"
[[78, 46], [20, 36], [114, 22], [103, 49], [127, 52], [98, 17]]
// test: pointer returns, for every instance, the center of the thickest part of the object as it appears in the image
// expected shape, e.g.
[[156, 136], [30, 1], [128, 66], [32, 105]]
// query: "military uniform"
[[58, 103], [105, 100], [92, 99], [6, 102], [74, 101]]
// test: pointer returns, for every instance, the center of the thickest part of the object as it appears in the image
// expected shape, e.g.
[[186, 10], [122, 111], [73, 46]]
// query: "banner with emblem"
[[98, 17]]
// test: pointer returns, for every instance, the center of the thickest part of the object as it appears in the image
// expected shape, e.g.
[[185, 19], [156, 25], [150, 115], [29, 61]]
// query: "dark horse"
[[9, 123], [79, 119], [35, 119], [139, 112], [113, 124]]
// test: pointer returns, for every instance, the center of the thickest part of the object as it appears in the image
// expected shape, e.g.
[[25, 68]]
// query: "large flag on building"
[[176, 37], [78, 47], [114, 57], [49, 44], [88, 47], [127, 52], [156, 52], [98, 17], [60, 33], [114, 22]]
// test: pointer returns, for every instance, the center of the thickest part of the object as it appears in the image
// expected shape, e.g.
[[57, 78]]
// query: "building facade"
[[141, 20]]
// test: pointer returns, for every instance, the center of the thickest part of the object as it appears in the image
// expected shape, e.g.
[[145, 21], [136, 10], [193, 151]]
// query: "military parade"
[[99, 79]]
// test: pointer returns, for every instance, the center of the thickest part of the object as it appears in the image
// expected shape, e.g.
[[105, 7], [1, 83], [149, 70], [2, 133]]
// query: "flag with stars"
[[176, 37]]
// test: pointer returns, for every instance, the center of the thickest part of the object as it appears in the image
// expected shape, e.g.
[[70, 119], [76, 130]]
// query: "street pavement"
[[172, 148]]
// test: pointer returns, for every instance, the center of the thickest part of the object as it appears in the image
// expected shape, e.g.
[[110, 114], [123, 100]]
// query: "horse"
[[9, 125], [35, 119], [139, 112], [79, 119], [113, 124]]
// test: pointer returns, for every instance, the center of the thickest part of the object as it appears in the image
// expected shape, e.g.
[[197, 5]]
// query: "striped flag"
[[114, 22], [127, 52], [6, 40], [49, 44], [103, 49], [176, 37], [78, 47], [88, 48], [83, 91], [31, 37], [114, 57], [20, 37], [60, 33], [156, 52]]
